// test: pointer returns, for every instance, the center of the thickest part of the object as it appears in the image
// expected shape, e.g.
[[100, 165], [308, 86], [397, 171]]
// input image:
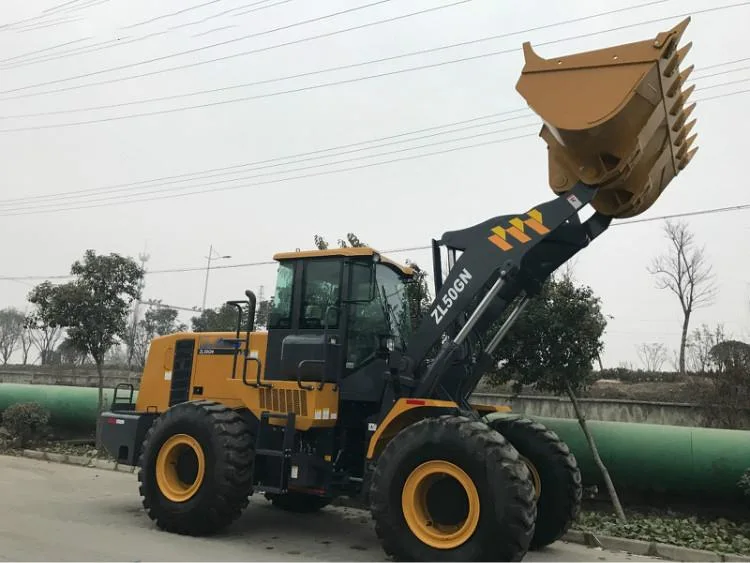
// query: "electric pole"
[[143, 257]]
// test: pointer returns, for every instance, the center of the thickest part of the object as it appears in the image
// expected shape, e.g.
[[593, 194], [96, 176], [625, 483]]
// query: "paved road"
[[60, 512]]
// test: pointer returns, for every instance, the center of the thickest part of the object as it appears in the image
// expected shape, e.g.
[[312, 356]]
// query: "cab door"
[[305, 326]]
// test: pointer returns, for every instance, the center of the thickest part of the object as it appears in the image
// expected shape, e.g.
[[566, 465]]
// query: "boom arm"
[[502, 258]]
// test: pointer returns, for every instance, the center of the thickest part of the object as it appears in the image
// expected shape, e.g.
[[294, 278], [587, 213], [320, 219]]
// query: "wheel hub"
[[180, 468], [440, 504]]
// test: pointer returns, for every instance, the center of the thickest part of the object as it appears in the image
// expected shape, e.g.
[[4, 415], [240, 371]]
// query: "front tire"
[[196, 468], [555, 473], [452, 489]]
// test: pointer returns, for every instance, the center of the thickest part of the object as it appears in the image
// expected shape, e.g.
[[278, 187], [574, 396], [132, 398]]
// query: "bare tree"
[[26, 343], [702, 341], [11, 327], [652, 355], [684, 270], [44, 337]]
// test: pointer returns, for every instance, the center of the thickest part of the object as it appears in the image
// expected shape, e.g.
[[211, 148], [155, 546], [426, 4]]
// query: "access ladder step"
[[269, 453]]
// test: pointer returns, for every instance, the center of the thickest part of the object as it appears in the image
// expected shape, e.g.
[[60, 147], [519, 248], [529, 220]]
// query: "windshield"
[[394, 301], [387, 314]]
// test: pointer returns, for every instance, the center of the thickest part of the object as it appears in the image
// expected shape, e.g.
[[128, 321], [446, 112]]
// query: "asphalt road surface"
[[61, 512]]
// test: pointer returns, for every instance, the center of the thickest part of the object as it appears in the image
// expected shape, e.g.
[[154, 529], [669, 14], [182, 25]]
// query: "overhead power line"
[[24, 206], [172, 14], [214, 172], [328, 84], [148, 197], [252, 51], [399, 250], [274, 181], [271, 94], [198, 49], [35, 208], [312, 38], [271, 163], [28, 58]]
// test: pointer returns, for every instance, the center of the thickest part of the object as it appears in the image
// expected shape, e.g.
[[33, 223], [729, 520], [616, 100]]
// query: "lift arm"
[[501, 259]]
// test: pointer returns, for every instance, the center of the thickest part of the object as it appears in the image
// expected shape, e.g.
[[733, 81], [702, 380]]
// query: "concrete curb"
[[635, 547], [649, 549], [78, 460]]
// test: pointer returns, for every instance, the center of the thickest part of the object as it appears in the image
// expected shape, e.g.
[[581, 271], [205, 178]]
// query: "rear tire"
[[196, 468], [486, 512], [554, 470], [301, 503]]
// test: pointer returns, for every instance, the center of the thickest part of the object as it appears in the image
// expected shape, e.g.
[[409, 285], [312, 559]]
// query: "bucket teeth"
[[684, 132], [679, 81], [686, 160], [682, 118], [684, 148], [676, 60], [617, 118], [681, 99]]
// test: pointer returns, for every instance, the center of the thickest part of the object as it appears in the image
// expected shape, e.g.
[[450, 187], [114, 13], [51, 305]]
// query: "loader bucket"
[[615, 118]]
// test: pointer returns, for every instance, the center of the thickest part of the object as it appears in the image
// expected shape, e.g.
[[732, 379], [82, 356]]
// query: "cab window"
[[280, 315], [321, 291]]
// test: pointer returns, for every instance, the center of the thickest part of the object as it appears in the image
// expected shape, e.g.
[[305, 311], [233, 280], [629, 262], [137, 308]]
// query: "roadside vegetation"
[[718, 535]]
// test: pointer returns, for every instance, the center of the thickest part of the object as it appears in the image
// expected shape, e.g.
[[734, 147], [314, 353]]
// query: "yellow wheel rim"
[[535, 479], [180, 468], [440, 504]]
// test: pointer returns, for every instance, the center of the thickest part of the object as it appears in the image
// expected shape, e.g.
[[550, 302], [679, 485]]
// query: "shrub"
[[25, 422], [744, 483], [639, 376]]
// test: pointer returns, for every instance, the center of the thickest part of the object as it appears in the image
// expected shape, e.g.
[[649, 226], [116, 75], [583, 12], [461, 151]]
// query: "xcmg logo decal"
[[517, 230]]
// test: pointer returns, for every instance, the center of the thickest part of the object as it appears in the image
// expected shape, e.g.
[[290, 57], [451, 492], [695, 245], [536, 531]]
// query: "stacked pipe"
[[640, 457]]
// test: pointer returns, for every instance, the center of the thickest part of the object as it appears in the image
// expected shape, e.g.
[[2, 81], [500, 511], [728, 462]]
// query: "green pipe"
[[640, 457], [659, 458], [69, 406]]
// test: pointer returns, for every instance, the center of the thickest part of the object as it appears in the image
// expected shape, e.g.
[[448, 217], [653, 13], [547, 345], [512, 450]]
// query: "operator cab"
[[333, 313]]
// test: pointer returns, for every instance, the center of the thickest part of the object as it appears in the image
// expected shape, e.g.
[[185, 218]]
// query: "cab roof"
[[348, 251]]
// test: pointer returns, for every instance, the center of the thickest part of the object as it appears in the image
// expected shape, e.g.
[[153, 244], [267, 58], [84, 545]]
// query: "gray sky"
[[390, 206]]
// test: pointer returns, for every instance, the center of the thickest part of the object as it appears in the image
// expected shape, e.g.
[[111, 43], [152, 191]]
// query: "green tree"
[[71, 354], [419, 294], [221, 319], [157, 321], [11, 328], [162, 321], [41, 333], [94, 306], [728, 394], [262, 311], [552, 347]]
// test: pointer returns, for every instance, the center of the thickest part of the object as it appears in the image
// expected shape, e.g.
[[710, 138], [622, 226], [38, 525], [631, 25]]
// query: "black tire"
[[504, 491], [302, 503], [559, 503], [227, 448]]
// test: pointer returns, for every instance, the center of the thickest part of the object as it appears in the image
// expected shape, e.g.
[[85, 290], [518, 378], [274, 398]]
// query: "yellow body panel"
[[314, 408], [403, 413], [153, 395], [489, 409]]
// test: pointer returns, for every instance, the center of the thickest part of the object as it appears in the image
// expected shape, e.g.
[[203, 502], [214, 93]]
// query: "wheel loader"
[[343, 395]]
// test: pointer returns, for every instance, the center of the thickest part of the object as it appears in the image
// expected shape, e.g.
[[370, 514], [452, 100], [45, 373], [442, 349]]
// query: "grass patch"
[[717, 535]]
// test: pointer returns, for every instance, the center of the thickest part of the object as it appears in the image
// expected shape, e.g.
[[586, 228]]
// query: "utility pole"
[[210, 257], [143, 257]]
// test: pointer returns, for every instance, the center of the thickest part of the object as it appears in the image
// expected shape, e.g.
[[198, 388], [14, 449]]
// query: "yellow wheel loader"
[[343, 396]]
